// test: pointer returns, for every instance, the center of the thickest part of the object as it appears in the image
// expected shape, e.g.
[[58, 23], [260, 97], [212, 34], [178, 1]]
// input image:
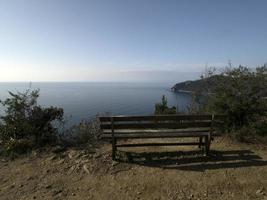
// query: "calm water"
[[85, 100]]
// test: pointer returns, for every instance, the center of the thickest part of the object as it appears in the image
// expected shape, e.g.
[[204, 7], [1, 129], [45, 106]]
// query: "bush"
[[13, 147], [26, 122], [196, 104], [253, 133], [162, 108], [85, 133], [240, 94]]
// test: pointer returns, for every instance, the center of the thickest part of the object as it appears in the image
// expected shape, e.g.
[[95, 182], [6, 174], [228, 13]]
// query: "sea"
[[86, 100]]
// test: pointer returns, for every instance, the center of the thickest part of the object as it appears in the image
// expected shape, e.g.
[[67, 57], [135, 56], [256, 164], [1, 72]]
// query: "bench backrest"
[[158, 122]]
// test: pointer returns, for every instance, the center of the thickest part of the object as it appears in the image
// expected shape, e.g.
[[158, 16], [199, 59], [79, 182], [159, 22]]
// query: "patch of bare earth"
[[233, 171]]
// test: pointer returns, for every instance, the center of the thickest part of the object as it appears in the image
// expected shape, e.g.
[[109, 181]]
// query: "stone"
[[55, 192], [85, 168], [48, 186], [114, 163], [52, 158], [73, 154], [61, 161], [259, 192]]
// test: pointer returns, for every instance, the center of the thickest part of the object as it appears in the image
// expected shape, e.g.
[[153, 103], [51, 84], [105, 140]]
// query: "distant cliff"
[[206, 85]]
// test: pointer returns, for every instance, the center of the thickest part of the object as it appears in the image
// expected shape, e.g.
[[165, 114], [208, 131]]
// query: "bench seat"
[[154, 135]]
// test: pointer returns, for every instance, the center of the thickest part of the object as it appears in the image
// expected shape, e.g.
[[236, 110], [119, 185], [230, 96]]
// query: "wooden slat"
[[157, 125], [156, 118], [158, 144], [155, 135], [163, 131]]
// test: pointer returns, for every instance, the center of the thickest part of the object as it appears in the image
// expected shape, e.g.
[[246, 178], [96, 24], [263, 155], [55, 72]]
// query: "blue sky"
[[128, 40]]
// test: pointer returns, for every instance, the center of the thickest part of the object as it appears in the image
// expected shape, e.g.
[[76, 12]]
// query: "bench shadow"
[[193, 160]]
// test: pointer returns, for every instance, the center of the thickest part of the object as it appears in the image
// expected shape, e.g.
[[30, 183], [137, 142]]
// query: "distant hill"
[[206, 85]]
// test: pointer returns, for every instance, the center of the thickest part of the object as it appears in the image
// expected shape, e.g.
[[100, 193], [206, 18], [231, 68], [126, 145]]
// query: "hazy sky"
[[128, 40]]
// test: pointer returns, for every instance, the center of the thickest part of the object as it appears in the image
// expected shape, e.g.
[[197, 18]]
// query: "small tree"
[[195, 105], [240, 95], [24, 119], [162, 108]]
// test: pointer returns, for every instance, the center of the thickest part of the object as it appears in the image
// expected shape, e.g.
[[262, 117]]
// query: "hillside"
[[201, 85]]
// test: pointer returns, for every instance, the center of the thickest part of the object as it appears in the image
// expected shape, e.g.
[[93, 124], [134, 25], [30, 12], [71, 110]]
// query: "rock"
[[259, 192], [56, 192], [60, 162], [72, 168], [73, 154], [52, 158], [12, 186], [48, 186], [114, 163], [29, 178], [85, 168]]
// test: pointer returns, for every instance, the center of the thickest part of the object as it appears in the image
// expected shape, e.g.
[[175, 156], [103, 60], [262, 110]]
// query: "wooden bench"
[[159, 126]]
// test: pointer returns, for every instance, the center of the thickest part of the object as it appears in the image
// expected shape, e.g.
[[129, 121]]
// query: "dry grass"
[[234, 171]]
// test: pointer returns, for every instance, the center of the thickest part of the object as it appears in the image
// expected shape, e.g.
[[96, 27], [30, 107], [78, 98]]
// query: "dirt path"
[[234, 171]]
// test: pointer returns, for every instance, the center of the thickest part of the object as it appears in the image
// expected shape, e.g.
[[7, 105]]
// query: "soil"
[[232, 171]]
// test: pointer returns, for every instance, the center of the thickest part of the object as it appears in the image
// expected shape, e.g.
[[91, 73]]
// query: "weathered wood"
[[155, 135], [143, 131], [158, 144], [160, 126], [113, 140], [156, 118], [200, 142], [207, 146], [174, 125]]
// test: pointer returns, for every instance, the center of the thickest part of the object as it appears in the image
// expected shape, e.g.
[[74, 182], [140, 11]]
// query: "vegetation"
[[26, 124], [85, 134], [238, 93], [207, 84], [162, 108], [196, 104]]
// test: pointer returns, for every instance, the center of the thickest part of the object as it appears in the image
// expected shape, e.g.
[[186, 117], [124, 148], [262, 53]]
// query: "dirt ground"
[[233, 171]]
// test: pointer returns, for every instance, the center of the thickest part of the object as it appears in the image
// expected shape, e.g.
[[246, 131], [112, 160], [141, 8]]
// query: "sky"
[[128, 40]]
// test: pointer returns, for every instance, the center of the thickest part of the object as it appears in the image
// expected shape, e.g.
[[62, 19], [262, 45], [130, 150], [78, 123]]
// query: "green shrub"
[[86, 133], [240, 94], [19, 146], [25, 120], [254, 133], [162, 108]]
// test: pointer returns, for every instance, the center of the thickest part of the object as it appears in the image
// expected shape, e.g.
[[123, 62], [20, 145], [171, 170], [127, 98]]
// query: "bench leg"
[[200, 142], [207, 145], [114, 148]]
